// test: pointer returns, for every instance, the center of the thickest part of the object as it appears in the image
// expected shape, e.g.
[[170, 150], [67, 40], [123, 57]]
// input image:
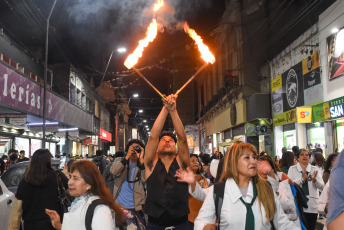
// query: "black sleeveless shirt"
[[167, 199]]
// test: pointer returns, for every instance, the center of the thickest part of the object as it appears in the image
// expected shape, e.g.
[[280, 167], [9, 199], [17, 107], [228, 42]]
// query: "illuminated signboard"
[[105, 135]]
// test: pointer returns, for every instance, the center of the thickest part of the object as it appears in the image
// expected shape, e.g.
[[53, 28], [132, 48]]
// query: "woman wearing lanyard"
[[307, 176], [248, 201]]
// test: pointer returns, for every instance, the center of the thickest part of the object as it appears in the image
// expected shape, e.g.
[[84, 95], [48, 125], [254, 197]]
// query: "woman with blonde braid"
[[248, 200]]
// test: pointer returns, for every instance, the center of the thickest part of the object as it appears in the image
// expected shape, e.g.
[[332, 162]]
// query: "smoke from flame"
[[206, 54]]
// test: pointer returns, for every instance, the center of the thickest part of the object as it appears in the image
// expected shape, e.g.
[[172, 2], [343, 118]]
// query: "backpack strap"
[[219, 191], [90, 212]]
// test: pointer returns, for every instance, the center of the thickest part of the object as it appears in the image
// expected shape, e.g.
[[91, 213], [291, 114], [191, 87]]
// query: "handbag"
[[64, 199]]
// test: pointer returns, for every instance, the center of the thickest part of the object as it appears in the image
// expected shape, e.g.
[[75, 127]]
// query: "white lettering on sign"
[[35, 100], [104, 134], [337, 111]]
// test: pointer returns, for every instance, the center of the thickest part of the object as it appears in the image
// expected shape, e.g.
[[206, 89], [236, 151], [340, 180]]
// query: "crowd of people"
[[161, 185]]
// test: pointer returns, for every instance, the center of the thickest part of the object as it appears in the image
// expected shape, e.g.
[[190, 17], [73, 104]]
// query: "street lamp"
[[119, 50], [45, 72]]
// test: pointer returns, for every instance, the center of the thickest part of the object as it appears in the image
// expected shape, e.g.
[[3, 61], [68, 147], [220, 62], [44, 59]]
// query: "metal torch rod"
[[191, 78], [141, 75]]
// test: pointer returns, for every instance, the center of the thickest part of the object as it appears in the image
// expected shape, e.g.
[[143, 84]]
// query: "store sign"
[[285, 118], [17, 119], [22, 93], [105, 135], [337, 108], [87, 141], [276, 83], [304, 114]]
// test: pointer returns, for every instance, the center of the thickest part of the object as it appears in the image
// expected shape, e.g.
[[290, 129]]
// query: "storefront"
[[331, 112], [89, 146], [5, 145]]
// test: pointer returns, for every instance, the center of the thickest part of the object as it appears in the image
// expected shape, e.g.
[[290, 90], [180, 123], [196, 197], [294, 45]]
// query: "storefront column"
[[278, 140], [301, 135], [329, 137]]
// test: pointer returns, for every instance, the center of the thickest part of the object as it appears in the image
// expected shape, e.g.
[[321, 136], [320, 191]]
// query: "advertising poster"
[[292, 81], [335, 48]]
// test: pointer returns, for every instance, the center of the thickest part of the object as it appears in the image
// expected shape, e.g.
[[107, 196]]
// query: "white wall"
[[332, 17]]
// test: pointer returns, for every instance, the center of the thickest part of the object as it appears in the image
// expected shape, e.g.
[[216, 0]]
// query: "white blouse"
[[233, 212], [295, 173], [75, 218]]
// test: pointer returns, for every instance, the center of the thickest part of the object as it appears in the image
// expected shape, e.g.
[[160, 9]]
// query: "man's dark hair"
[[11, 151], [133, 141], [13, 157], [296, 151], [64, 154], [99, 153], [22, 151], [168, 133]]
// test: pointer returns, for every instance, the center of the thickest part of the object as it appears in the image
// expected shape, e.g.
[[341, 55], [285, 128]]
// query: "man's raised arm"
[[183, 149], [153, 141]]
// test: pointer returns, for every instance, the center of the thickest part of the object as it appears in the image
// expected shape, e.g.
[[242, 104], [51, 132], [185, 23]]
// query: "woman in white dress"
[[86, 185]]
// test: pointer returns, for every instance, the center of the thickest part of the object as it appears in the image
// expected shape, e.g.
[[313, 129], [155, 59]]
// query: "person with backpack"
[[37, 191], [100, 161], [243, 199], [129, 179], [93, 206]]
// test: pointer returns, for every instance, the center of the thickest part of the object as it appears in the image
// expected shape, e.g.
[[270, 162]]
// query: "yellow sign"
[[310, 63], [276, 83], [304, 114], [326, 108], [285, 118]]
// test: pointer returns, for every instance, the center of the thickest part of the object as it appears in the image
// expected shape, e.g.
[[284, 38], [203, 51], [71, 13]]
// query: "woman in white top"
[[248, 201], [280, 184], [86, 184], [307, 176], [323, 201]]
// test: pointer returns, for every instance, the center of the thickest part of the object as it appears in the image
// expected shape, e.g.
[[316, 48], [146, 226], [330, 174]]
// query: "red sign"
[[105, 135]]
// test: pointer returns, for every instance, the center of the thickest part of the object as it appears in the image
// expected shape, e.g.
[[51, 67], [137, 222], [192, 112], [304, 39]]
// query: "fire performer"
[[167, 203]]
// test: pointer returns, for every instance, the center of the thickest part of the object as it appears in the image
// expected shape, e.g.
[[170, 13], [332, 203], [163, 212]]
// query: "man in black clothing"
[[167, 204], [100, 161], [22, 156]]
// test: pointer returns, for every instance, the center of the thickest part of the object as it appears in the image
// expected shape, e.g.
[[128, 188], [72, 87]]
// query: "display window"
[[35, 145], [22, 144], [5, 145], [289, 139]]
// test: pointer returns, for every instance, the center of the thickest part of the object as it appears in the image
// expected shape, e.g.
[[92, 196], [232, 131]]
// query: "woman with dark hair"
[[248, 199], [328, 166], [307, 177], [319, 161], [194, 204], [86, 185], [38, 191], [288, 160], [280, 184]]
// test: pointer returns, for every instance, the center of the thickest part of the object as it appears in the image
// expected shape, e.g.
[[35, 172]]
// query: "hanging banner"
[[335, 54]]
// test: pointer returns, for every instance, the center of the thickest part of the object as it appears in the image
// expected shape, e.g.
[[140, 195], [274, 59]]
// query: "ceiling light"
[[146, 126], [135, 95], [144, 121], [335, 30], [69, 129], [140, 111]]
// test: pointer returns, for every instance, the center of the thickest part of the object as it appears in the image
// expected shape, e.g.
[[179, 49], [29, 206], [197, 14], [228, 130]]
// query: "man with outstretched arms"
[[167, 204]]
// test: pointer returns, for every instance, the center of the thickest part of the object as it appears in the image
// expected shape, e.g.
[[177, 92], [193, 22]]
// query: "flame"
[[158, 5], [151, 33], [206, 54]]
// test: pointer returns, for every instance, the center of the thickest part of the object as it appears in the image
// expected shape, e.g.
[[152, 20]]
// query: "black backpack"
[[219, 191]]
